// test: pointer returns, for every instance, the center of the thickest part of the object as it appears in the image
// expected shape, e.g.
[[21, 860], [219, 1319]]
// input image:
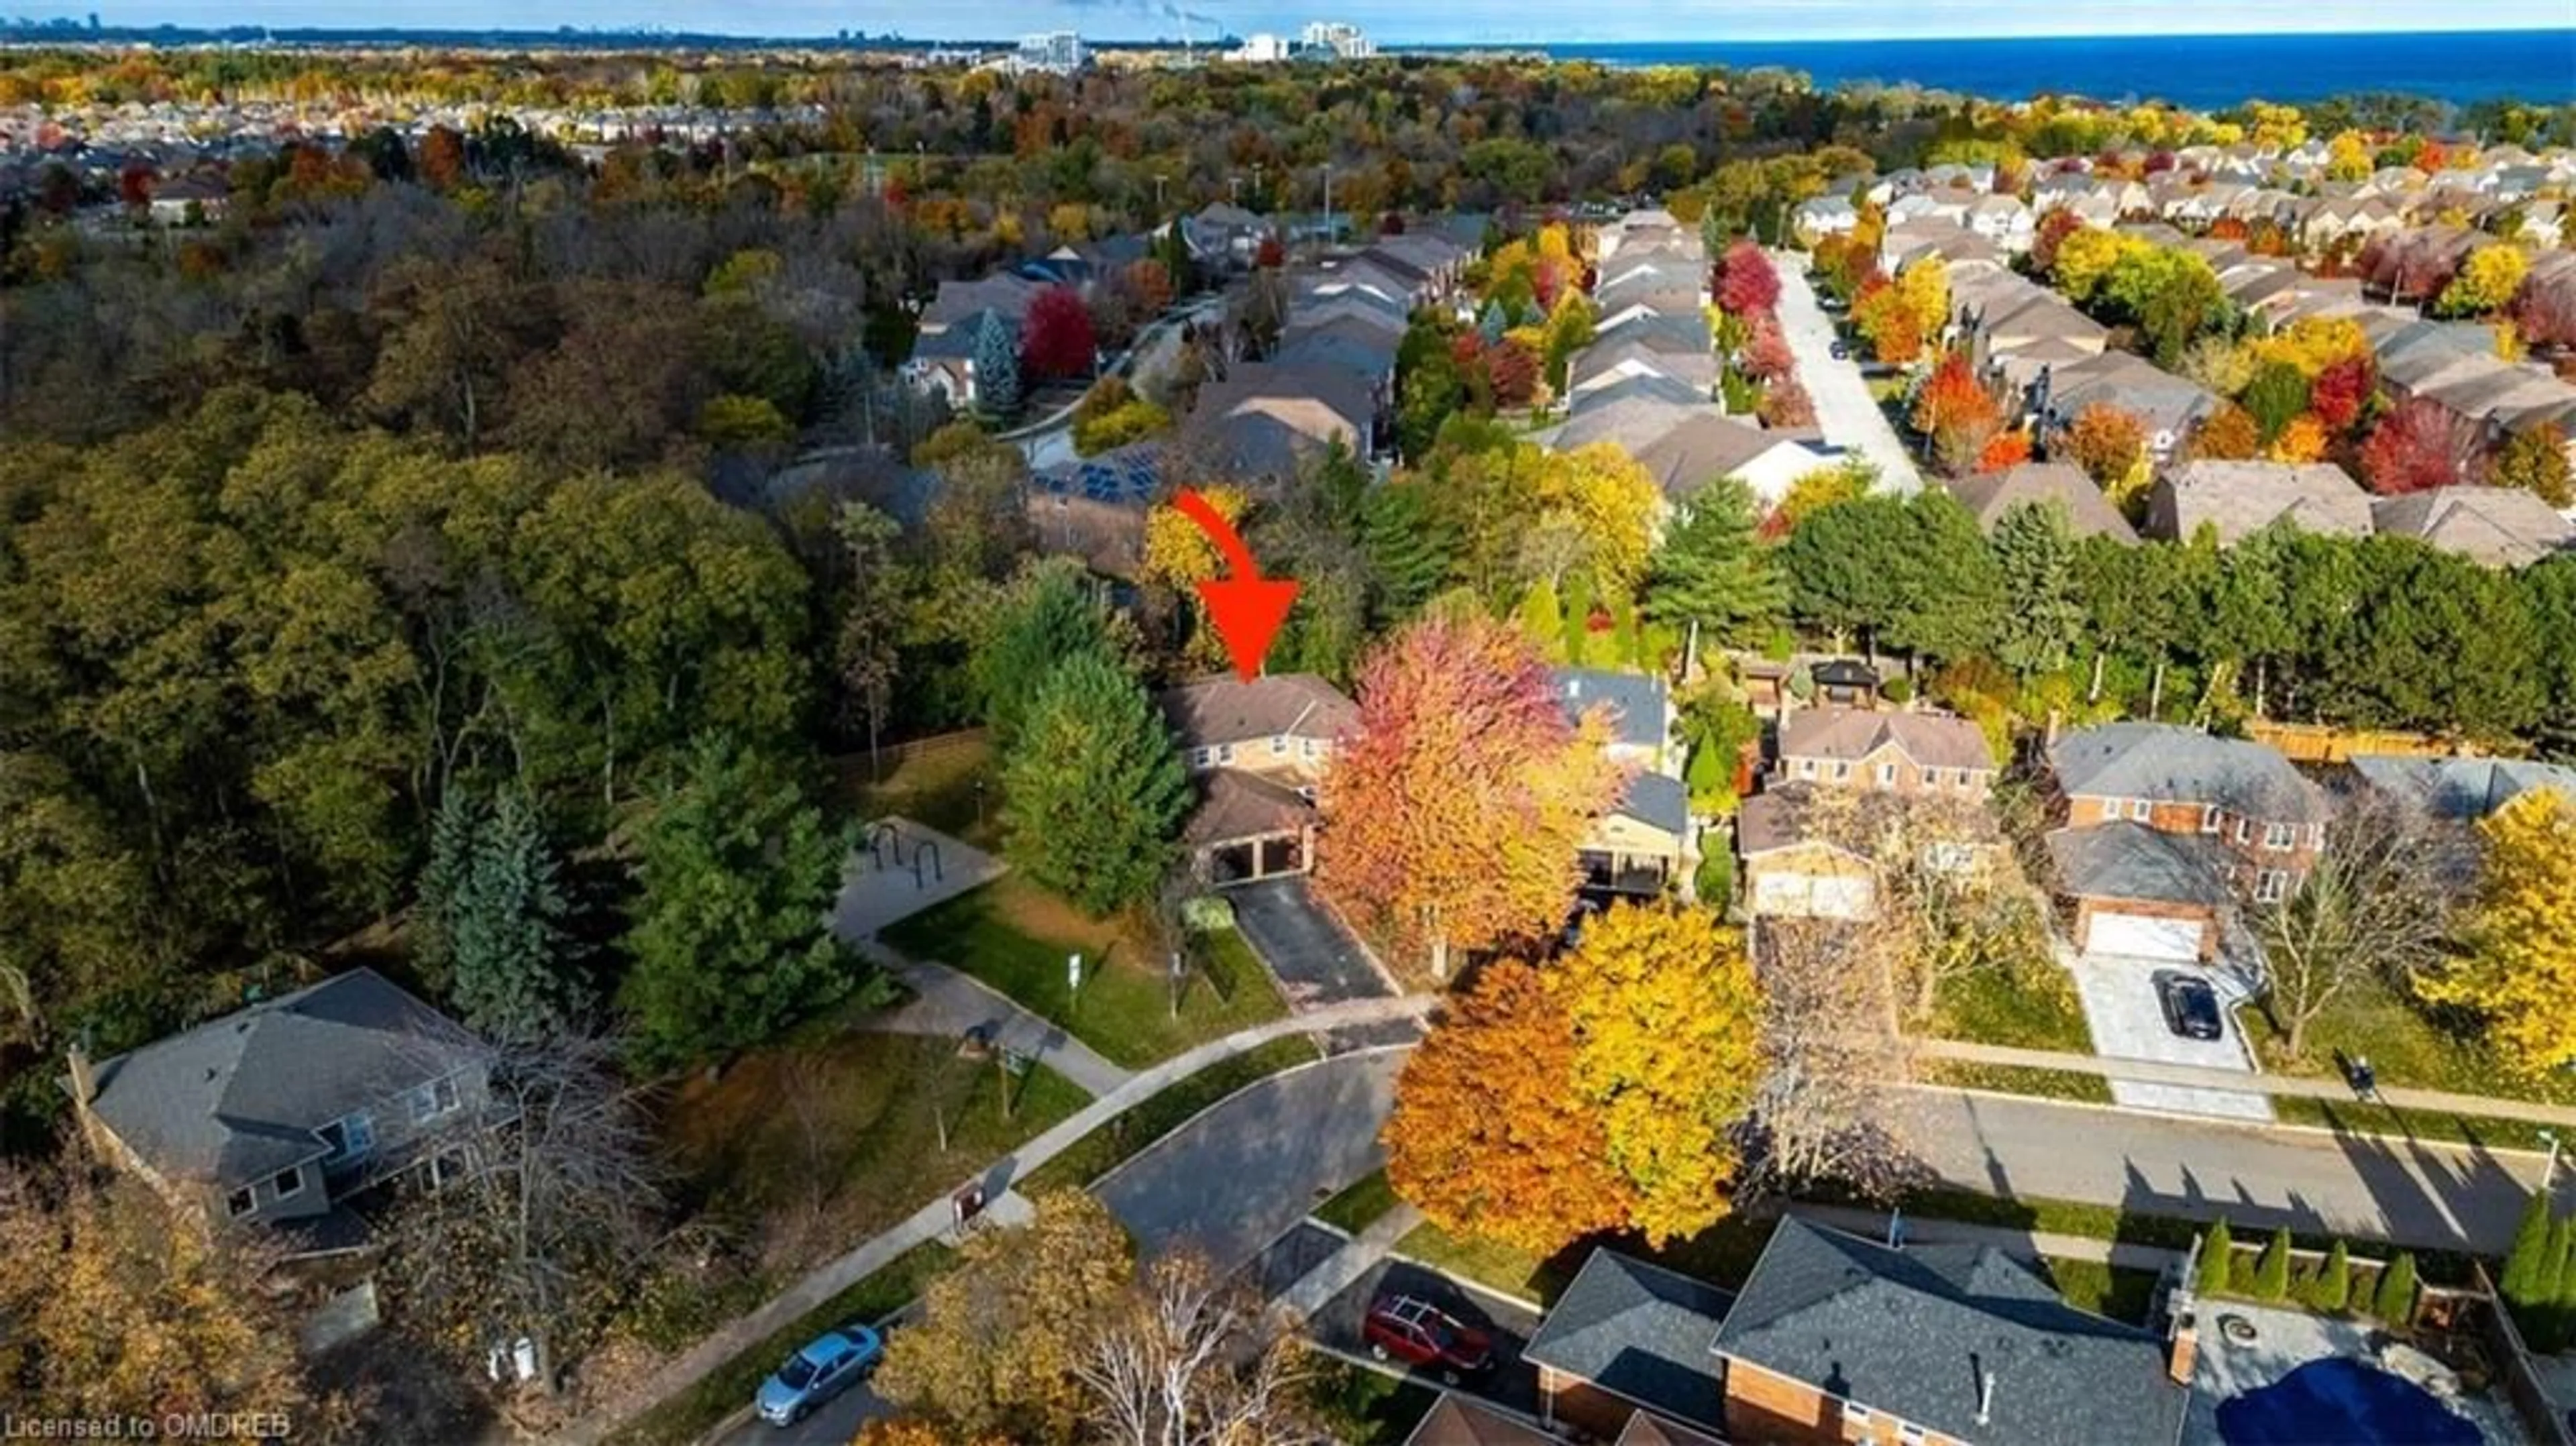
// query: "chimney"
[[1986, 1398], [84, 1075], [2184, 1351]]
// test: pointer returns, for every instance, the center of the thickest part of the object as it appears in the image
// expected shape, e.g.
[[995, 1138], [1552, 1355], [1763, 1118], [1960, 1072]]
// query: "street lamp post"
[[2549, 1169]]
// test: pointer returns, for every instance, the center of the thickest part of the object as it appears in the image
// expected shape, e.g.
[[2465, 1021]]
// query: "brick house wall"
[[2253, 840], [1888, 769], [1574, 1402], [1765, 1407]]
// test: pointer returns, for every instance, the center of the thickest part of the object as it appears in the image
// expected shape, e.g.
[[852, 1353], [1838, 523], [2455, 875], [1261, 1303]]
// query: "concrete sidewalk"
[[948, 1002], [2151, 1072], [932, 1220], [1309, 1295]]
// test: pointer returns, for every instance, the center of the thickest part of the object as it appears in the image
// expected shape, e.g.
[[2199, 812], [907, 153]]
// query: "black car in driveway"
[[2191, 1006]]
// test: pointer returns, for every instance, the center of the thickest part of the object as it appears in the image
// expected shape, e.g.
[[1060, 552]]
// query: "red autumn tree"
[[1766, 351], [1451, 817], [134, 185], [1957, 414], [1514, 371], [2229, 434], [2421, 445], [1151, 280], [2007, 451], [2341, 390], [1787, 404], [2052, 232], [1487, 1137], [442, 158], [1746, 284], [1270, 254], [1057, 339]]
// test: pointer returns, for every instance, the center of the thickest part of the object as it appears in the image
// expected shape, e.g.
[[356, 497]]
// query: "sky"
[[1395, 21]]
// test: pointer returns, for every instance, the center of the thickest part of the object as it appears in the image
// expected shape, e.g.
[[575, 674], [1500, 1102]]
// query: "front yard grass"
[[1365, 1407], [2359, 1117], [2117, 1291], [688, 1416], [1723, 1255], [2030, 1005], [1127, 1135], [1016, 937], [2404, 1045], [935, 787], [1360, 1203], [828, 1138]]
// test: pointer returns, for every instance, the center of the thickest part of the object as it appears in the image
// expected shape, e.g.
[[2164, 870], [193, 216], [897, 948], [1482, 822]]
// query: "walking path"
[[934, 1219], [1363, 1251], [2020, 1244], [1847, 413], [948, 1002], [2151, 1072]]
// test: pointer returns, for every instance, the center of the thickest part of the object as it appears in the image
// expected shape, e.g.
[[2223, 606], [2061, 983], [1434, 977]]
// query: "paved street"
[[1850, 419], [2424, 1194], [1250, 1168], [2128, 1022], [1315, 959]]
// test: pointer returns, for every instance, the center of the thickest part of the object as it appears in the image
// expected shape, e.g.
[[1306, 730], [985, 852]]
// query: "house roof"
[[239, 1097], [1705, 447], [2239, 499], [1658, 801], [1227, 709], [1343, 342], [1638, 703], [1267, 417], [1458, 1421], [1640, 1331], [1777, 818], [2127, 860], [1648, 1429], [1917, 1333], [1932, 740], [2463, 787], [1989, 495], [1234, 804], [2165, 764], [2499, 526]]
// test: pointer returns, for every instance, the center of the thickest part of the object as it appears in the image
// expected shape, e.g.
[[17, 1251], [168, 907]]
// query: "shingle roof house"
[[2163, 764], [1989, 495], [2498, 526], [276, 1111], [1961, 1341], [1459, 1421], [1625, 1335], [2463, 787], [1222, 711], [2239, 499], [1255, 749]]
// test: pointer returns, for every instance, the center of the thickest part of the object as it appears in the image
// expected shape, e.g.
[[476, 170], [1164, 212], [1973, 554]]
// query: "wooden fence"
[[2515, 1371], [2323, 743]]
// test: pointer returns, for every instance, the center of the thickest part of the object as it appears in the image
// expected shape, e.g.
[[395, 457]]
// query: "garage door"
[[2141, 937], [1808, 896]]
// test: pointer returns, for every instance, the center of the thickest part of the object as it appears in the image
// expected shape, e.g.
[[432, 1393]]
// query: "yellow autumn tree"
[[2311, 344], [1666, 1016], [1612, 502], [2519, 969], [2303, 440], [2085, 257], [2487, 281], [1925, 288], [1178, 555], [2348, 157], [2278, 127]]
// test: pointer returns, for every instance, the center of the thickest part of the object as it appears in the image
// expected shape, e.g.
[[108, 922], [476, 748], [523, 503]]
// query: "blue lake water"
[[2342, 1403], [2202, 71]]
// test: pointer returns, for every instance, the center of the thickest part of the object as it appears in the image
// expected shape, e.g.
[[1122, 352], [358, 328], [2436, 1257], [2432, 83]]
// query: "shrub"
[[2394, 1300], [2217, 1252], [1898, 690], [2334, 1283], [1715, 880], [2272, 1268]]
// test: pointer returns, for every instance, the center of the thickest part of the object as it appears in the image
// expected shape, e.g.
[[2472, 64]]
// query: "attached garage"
[[2143, 936], [1779, 892]]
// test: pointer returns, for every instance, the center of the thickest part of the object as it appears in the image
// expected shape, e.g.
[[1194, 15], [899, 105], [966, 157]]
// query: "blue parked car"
[[823, 1368]]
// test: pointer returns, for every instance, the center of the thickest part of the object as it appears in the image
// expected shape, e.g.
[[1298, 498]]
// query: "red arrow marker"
[[1246, 607]]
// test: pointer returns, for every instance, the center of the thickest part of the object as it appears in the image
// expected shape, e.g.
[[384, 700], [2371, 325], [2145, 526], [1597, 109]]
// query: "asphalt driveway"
[[1510, 1381], [2128, 1022], [1316, 960]]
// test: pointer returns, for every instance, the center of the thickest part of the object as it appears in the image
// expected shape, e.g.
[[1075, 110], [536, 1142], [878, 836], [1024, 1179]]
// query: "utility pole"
[[1328, 202]]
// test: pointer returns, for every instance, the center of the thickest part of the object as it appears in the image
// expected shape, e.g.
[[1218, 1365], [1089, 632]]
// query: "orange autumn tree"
[[1487, 1138], [1957, 413], [2007, 451], [1450, 819]]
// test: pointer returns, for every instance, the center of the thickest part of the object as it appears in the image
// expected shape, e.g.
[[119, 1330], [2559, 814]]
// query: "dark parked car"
[[2191, 1006], [1413, 1330], [822, 1368], [1842, 350]]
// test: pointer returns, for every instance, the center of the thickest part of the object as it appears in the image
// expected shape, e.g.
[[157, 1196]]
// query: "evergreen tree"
[[443, 880], [997, 366], [1542, 620], [1095, 793], [511, 953], [2217, 1260], [731, 940], [1624, 642], [2549, 1286], [2334, 1283], [1950, 595], [1578, 620], [1845, 561], [1713, 569], [1411, 549], [2393, 1301], [2272, 1267], [2035, 553], [2532, 1250], [1492, 323], [1046, 618]]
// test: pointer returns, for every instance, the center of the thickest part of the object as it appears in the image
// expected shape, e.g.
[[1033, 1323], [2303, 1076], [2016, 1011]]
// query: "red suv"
[[1420, 1334]]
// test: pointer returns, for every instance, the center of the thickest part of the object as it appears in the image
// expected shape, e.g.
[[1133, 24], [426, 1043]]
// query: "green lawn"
[[2355, 1117], [2405, 1046], [937, 788], [2009, 1079], [1097, 1153], [1360, 1204], [832, 1136], [1362, 1407], [1724, 1254], [2117, 1291], [1016, 937], [2031, 1005]]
